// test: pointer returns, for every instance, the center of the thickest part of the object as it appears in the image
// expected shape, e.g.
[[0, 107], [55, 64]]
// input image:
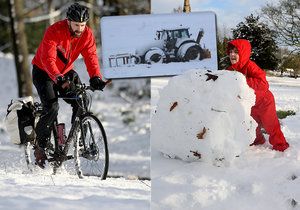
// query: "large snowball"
[[204, 115]]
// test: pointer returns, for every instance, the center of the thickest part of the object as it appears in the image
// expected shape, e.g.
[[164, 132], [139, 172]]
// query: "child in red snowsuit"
[[263, 112]]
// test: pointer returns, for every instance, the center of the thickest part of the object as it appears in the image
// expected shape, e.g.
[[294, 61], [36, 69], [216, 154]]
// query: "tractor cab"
[[171, 36]]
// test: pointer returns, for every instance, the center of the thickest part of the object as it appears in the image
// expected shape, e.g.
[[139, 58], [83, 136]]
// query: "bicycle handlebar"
[[88, 87], [83, 87]]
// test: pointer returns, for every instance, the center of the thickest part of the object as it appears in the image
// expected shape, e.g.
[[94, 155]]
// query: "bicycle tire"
[[91, 154]]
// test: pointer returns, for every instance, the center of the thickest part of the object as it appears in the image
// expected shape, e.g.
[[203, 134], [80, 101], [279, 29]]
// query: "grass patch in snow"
[[283, 114]]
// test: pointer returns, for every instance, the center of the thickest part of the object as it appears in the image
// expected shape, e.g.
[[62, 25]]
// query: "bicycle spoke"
[[92, 148]]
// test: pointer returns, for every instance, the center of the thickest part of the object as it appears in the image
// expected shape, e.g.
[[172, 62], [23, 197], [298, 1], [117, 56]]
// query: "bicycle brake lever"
[[107, 82]]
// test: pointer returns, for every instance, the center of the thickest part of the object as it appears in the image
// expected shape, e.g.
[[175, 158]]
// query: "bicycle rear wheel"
[[91, 151]]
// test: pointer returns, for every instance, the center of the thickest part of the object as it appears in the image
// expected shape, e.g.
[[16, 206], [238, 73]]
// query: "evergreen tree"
[[223, 59], [292, 62], [262, 39]]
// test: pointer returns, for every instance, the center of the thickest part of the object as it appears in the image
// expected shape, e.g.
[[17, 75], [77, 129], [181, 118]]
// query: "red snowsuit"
[[263, 112], [59, 49]]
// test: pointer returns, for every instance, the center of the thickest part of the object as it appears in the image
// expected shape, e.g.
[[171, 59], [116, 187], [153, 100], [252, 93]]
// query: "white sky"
[[229, 12]]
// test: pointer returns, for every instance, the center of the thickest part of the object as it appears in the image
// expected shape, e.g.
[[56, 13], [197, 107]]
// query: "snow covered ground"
[[124, 113], [259, 179]]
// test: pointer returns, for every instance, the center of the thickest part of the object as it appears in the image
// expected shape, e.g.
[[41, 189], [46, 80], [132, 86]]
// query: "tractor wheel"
[[192, 54], [154, 56], [136, 59]]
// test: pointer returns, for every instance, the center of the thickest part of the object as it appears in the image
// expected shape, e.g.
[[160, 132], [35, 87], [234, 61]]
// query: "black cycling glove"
[[97, 83]]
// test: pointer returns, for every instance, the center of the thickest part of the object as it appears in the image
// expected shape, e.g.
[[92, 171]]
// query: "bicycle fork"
[[64, 154]]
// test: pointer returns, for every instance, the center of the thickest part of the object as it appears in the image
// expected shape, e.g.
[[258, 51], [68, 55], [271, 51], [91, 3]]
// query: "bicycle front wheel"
[[91, 151]]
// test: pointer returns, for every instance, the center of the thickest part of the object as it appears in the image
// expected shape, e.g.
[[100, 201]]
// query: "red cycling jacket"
[[59, 49], [255, 76]]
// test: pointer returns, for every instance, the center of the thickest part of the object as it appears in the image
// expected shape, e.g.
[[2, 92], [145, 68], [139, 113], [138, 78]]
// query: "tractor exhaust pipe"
[[200, 35]]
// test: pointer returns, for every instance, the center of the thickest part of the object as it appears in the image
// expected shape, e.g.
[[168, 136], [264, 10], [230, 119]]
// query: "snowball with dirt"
[[203, 115]]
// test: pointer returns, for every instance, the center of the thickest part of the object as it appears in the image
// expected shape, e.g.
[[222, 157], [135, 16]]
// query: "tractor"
[[174, 45]]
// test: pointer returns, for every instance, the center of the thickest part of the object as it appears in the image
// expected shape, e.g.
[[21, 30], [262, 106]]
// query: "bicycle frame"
[[82, 109]]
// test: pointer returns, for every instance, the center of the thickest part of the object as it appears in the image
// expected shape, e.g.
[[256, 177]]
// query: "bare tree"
[[285, 20], [20, 47], [50, 7], [92, 15], [126, 7], [178, 9]]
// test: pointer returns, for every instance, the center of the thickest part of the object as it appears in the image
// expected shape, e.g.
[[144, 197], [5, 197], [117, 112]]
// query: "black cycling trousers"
[[48, 93]]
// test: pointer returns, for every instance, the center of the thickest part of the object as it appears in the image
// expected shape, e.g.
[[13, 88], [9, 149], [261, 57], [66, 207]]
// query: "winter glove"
[[97, 83], [62, 82], [65, 85]]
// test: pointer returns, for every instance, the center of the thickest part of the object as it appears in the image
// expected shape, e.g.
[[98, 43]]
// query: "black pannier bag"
[[19, 120]]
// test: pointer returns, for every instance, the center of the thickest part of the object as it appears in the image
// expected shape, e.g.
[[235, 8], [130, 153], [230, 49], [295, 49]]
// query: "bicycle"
[[87, 135]]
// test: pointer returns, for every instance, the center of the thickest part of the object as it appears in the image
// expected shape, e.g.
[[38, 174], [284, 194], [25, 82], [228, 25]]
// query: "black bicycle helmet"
[[78, 13]]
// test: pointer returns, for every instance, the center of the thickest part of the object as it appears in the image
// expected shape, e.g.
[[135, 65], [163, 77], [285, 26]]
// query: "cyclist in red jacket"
[[263, 112], [53, 68]]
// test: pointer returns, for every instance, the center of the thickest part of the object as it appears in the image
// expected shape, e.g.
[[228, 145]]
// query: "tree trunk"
[[50, 10], [187, 6], [20, 47], [94, 21], [91, 22]]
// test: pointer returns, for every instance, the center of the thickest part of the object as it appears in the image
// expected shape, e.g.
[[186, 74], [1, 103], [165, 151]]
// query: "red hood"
[[244, 48]]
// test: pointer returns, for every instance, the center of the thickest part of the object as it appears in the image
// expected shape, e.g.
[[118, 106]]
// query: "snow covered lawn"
[[259, 179], [42, 191], [127, 124]]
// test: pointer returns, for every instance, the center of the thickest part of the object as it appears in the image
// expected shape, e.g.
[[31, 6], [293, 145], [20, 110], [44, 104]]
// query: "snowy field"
[[125, 116], [259, 179]]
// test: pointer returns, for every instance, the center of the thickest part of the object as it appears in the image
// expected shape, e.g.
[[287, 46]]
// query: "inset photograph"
[[143, 45]]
